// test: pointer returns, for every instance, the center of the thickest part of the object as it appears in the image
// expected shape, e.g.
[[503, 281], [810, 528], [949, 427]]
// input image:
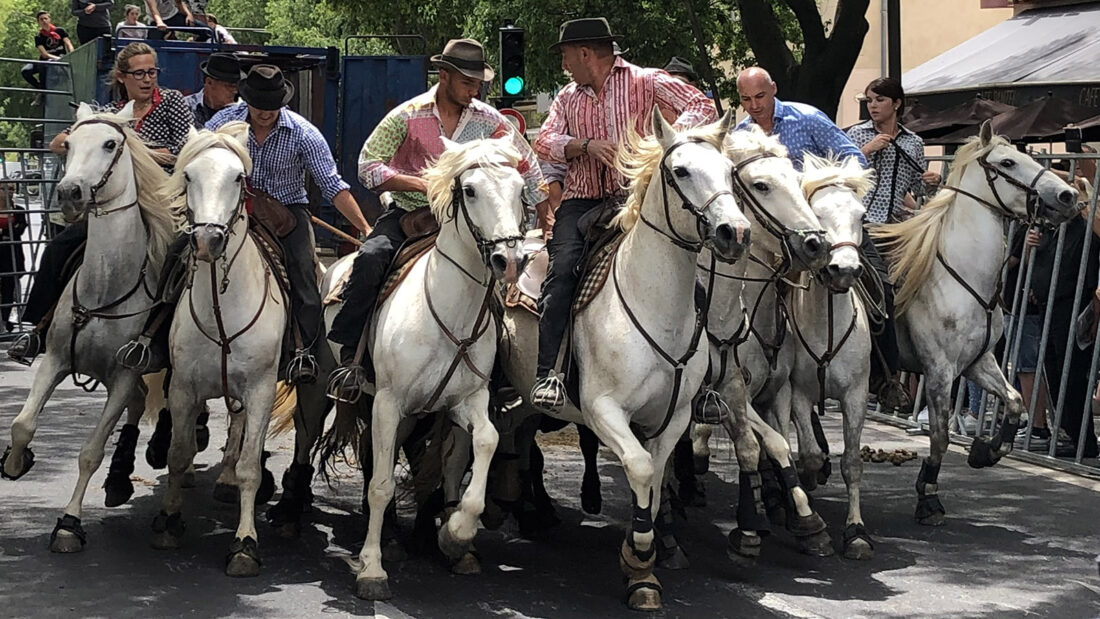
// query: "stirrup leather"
[[548, 393]]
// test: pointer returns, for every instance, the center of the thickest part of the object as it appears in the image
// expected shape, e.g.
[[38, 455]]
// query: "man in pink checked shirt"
[[588, 119]]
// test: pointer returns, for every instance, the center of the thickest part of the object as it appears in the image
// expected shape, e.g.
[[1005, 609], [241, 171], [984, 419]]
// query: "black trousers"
[[48, 282], [305, 298], [35, 74], [89, 33], [368, 272], [887, 338], [179, 20], [1077, 383], [566, 249]]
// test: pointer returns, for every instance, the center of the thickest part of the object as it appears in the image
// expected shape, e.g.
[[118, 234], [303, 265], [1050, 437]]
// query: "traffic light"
[[512, 82]]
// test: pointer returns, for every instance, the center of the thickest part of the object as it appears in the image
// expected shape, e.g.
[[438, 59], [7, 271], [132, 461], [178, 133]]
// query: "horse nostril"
[[498, 263], [832, 269], [813, 244], [1067, 196], [724, 235]]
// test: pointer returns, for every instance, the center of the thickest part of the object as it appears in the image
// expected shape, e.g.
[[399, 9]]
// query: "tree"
[[829, 49]]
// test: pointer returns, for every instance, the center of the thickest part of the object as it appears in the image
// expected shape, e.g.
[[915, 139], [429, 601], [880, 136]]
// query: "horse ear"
[[448, 144], [986, 133], [83, 111], [726, 121], [127, 111], [663, 131]]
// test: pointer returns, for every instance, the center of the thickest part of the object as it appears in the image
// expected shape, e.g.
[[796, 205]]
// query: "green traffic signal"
[[513, 85]]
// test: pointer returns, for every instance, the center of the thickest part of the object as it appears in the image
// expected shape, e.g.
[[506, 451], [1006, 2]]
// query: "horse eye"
[[469, 191], [186, 178], [680, 172], [110, 144], [1008, 163], [761, 186]]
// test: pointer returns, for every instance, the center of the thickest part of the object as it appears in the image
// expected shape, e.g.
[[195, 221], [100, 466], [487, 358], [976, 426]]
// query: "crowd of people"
[[569, 171]]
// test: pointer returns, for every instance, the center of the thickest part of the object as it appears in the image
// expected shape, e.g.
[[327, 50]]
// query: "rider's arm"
[[322, 167], [348, 207], [374, 170], [554, 142], [829, 138], [691, 106]]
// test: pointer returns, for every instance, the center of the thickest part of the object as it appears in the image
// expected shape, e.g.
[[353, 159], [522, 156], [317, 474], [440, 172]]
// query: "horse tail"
[[432, 463], [155, 400], [282, 411], [347, 428]]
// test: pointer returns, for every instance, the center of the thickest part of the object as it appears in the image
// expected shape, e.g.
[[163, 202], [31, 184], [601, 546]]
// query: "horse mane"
[[229, 136], [637, 161], [912, 245], [751, 141], [160, 222], [494, 155], [818, 172]]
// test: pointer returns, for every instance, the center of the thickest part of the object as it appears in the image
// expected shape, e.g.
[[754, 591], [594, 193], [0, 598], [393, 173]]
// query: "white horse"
[[432, 339], [227, 333], [110, 177], [948, 261], [743, 318], [832, 337], [638, 345]]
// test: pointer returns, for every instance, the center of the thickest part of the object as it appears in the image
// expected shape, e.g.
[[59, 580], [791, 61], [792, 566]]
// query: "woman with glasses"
[[162, 119]]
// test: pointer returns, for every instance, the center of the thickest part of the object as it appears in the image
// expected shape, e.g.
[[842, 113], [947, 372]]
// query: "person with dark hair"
[[13, 223], [52, 43], [682, 70], [93, 19]]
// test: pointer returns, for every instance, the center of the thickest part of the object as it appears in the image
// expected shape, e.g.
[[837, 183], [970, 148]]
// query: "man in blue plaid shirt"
[[283, 146]]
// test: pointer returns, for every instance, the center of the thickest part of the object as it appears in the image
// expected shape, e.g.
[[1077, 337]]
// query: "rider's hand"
[[877, 143], [603, 151], [1033, 237], [931, 178]]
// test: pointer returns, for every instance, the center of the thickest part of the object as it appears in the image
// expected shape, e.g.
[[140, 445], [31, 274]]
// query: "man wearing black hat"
[[396, 154], [221, 72], [283, 145], [590, 116], [682, 70]]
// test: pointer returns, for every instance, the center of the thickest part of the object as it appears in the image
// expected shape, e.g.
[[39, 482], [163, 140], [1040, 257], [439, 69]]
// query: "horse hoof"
[[244, 558], [267, 487], [675, 560], [701, 464], [930, 511], [28, 462], [225, 493], [288, 530], [167, 531], [645, 600], [188, 480], [394, 552], [591, 501], [164, 541], [468, 565], [68, 536], [805, 526], [451, 547], [808, 479], [118, 490], [744, 544], [372, 588], [981, 454], [816, 545], [859, 550], [932, 520]]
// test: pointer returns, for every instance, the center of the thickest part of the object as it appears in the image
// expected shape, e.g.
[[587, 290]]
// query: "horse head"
[[478, 187], [835, 192], [688, 171], [209, 185], [768, 186], [1018, 184], [97, 153]]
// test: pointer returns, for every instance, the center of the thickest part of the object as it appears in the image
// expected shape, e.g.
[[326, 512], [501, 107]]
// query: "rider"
[[607, 97], [221, 72], [395, 156], [803, 129], [283, 145]]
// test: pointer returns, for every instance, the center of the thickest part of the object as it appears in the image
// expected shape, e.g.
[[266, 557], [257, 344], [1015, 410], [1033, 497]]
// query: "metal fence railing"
[[1046, 351], [29, 217]]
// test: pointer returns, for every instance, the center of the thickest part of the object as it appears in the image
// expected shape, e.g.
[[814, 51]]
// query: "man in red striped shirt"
[[589, 118]]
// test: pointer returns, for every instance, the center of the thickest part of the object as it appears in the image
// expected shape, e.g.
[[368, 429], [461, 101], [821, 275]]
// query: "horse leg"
[[456, 535], [690, 490], [700, 446], [670, 555], [119, 488], [226, 488], [297, 497], [937, 387], [983, 451], [591, 498], [244, 556], [857, 542], [802, 521], [168, 526], [371, 580], [68, 535], [638, 552], [752, 523], [810, 457], [18, 457]]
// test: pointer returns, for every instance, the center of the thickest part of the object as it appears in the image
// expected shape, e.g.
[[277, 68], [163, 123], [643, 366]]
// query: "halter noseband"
[[992, 173], [484, 245], [93, 206], [699, 211]]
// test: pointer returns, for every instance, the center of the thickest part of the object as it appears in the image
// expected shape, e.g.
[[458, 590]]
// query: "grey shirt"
[[166, 8], [100, 17]]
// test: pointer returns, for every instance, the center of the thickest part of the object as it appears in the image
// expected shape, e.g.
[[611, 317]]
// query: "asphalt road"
[[1019, 541]]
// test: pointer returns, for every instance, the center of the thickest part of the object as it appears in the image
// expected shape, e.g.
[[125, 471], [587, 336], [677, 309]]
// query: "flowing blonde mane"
[[149, 177], [744, 143], [492, 155], [229, 136], [818, 172], [911, 245], [637, 161]]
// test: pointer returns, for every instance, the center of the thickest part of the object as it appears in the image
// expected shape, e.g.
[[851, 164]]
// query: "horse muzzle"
[[730, 241], [507, 261], [839, 278], [73, 199], [810, 247], [1058, 202], [208, 241]]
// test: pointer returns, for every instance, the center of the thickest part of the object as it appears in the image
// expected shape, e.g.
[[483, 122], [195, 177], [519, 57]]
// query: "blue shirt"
[[293, 147], [803, 128]]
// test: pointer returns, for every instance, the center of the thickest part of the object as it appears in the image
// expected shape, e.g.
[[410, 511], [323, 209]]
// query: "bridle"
[[677, 239], [484, 245], [94, 206], [992, 173]]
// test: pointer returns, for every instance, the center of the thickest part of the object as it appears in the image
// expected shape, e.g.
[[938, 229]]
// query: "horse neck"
[[726, 309], [115, 250], [973, 239], [452, 290]]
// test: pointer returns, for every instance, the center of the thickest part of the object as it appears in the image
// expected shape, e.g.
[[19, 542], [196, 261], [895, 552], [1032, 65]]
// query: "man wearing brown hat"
[[590, 116], [221, 72], [396, 154], [283, 145]]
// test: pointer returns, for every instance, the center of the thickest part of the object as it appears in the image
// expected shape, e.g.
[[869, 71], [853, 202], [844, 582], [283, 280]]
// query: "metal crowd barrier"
[[1057, 384], [29, 216]]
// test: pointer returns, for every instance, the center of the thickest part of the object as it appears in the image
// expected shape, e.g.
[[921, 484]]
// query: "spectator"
[[221, 72], [13, 222], [52, 43], [93, 19], [221, 35], [166, 14], [130, 27], [682, 70]]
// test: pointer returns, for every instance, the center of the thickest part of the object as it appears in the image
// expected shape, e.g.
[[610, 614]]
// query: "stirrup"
[[548, 393], [302, 369], [135, 355], [346, 383], [708, 407], [25, 348]]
